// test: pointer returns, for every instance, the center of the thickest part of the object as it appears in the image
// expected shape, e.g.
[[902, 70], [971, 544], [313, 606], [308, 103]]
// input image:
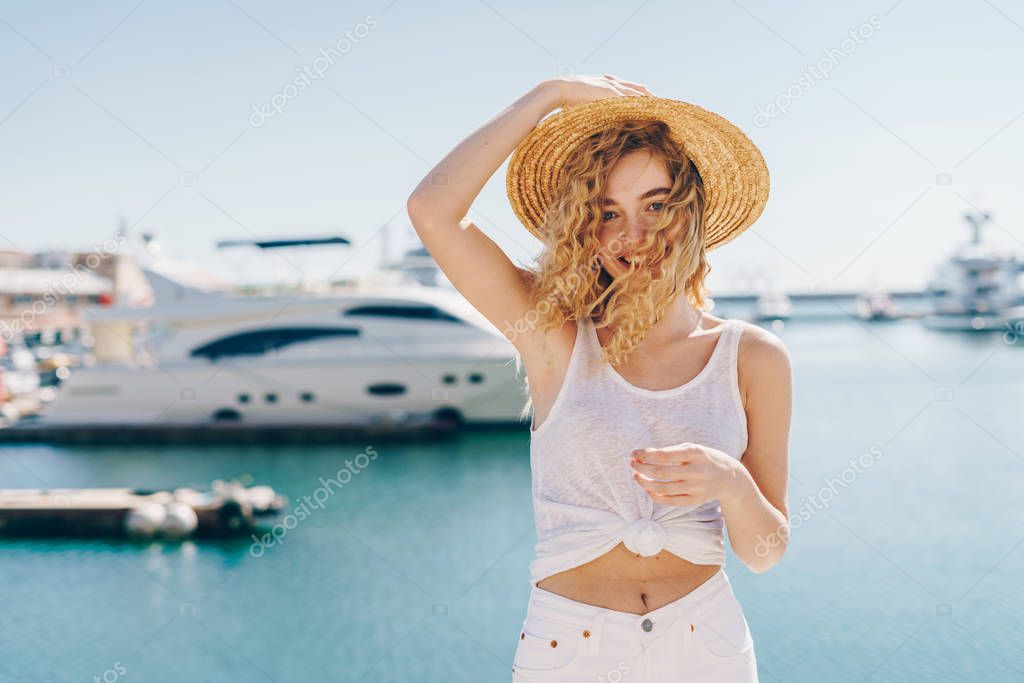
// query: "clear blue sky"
[[104, 108]]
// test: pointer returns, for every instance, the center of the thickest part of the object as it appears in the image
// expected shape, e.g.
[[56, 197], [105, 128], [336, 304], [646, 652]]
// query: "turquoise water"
[[416, 568]]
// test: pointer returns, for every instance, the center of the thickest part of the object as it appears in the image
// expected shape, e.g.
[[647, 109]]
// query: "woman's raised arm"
[[474, 264]]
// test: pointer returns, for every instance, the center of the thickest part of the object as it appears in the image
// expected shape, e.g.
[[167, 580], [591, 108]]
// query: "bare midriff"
[[625, 581]]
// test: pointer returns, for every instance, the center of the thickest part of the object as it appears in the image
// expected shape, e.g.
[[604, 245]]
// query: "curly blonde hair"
[[569, 282]]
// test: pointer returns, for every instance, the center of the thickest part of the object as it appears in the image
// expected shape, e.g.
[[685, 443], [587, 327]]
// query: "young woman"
[[655, 424]]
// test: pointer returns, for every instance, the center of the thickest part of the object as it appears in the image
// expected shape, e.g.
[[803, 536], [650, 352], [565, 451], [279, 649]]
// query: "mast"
[[976, 221]]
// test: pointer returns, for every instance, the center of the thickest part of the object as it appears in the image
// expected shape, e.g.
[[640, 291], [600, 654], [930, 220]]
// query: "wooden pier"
[[228, 509]]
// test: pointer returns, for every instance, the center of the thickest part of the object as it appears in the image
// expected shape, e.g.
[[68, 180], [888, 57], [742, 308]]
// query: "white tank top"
[[585, 500]]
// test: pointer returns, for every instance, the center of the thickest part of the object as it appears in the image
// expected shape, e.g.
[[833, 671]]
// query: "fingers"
[[672, 500], [677, 455], [673, 492], [667, 488], [637, 87], [630, 86], [622, 89], [661, 472]]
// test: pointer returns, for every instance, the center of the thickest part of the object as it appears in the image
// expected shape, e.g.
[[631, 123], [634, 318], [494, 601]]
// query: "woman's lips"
[[625, 259]]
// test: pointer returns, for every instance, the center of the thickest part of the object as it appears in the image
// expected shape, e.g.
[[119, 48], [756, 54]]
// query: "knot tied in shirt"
[[644, 536]]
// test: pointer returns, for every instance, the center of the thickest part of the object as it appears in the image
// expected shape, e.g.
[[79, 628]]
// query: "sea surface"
[[904, 566]]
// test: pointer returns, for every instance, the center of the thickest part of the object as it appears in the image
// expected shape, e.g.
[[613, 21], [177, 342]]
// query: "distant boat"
[[876, 306], [978, 288], [771, 306]]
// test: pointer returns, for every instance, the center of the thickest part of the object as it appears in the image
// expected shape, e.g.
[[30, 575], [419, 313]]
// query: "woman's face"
[[635, 192]]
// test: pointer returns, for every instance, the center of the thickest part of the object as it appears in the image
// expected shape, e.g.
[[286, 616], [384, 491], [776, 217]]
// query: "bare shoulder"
[[760, 346], [763, 360]]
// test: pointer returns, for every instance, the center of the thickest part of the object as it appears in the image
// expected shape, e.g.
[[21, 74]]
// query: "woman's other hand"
[[687, 474]]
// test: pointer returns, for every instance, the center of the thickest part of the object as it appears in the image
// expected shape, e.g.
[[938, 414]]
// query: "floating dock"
[[228, 509]]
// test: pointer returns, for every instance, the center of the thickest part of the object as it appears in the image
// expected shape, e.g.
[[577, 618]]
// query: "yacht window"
[[404, 312], [259, 342], [227, 415], [306, 397], [386, 389], [476, 378]]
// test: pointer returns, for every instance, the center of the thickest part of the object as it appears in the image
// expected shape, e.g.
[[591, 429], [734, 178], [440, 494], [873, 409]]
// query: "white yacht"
[[978, 288], [355, 356]]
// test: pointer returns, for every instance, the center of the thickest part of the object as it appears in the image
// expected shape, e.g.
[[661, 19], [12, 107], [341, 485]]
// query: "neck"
[[680, 320]]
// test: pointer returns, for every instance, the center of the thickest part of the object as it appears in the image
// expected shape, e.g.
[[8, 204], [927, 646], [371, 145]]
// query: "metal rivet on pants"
[[554, 643], [647, 625], [586, 634]]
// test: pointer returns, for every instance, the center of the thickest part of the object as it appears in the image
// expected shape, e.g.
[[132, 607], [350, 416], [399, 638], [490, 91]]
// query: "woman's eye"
[[655, 206]]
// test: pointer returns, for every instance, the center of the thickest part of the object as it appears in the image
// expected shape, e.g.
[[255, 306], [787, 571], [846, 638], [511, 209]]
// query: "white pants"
[[702, 636]]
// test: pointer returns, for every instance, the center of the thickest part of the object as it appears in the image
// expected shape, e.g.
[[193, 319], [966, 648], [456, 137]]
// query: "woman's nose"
[[625, 240], [636, 230]]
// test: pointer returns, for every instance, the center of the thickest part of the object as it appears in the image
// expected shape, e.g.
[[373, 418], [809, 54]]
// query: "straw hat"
[[734, 172]]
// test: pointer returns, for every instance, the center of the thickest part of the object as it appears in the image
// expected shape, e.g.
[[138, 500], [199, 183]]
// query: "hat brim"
[[732, 168]]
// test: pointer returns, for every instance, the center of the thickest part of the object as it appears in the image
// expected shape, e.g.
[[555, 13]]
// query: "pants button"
[[647, 625]]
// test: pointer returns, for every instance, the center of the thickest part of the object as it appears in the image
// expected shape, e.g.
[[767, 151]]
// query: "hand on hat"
[[582, 89]]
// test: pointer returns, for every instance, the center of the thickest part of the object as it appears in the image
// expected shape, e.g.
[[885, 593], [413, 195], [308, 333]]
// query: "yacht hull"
[[293, 392]]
